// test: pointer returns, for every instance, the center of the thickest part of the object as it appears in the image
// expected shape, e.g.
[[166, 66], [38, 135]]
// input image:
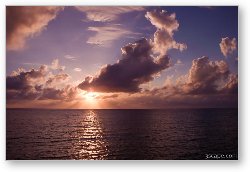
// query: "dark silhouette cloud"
[[57, 78], [24, 80], [38, 84], [136, 67], [67, 93]]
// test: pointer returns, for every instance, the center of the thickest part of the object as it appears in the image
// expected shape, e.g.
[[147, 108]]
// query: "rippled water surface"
[[121, 134]]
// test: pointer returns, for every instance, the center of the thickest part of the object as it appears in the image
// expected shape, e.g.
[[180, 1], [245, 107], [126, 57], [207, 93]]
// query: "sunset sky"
[[122, 57]]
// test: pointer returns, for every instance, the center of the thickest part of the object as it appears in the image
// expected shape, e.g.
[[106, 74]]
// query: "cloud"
[[70, 57], [106, 14], [207, 84], [106, 34], [25, 22], [25, 84], [136, 67], [205, 77], [39, 84], [231, 87], [227, 46], [139, 64], [166, 25], [56, 66], [67, 93], [77, 69], [112, 96], [179, 62], [23, 80], [55, 79]]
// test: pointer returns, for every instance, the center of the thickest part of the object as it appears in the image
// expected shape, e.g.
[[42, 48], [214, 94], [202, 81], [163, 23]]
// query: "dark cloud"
[[23, 22], [38, 84], [108, 96], [57, 78], [67, 93], [136, 67], [24, 80]]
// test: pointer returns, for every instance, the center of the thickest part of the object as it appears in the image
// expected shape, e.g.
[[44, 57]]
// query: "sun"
[[90, 96]]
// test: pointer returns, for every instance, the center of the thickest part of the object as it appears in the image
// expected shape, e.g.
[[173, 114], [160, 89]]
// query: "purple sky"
[[186, 57]]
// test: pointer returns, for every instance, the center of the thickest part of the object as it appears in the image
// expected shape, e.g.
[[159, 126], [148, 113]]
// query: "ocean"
[[172, 134]]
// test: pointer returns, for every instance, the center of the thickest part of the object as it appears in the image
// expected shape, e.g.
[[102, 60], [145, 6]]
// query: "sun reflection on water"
[[91, 144]]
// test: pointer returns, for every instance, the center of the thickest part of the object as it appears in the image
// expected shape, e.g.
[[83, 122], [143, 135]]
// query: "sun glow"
[[90, 96], [89, 99]]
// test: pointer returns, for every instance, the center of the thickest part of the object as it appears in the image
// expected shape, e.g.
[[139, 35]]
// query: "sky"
[[122, 57]]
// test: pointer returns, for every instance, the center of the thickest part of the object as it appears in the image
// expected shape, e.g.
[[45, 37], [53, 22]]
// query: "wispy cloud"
[[56, 66], [77, 69], [106, 14], [106, 34], [70, 57]]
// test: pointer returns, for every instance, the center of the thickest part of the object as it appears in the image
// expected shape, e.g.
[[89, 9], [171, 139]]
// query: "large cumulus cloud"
[[136, 67], [205, 77], [207, 84], [140, 60], [23, 22]]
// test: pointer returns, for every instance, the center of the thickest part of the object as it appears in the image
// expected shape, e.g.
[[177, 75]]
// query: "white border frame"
[[241, 165]]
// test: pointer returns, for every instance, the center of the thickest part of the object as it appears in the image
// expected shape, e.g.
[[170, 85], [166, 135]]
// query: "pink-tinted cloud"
[[23, 22], [108, 13], [56, 66], [70, 57], [77, 69], [227, 46], [205, 77], [166, 25], [106, 34]]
